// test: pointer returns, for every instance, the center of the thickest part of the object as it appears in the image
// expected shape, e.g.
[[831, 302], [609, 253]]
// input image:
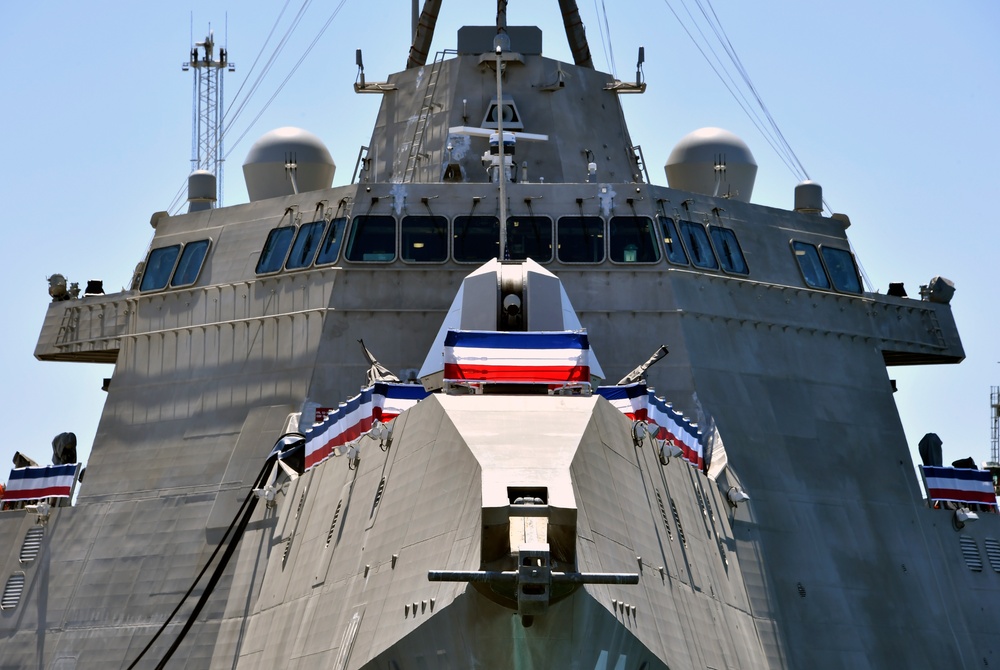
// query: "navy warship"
[[492, 498]]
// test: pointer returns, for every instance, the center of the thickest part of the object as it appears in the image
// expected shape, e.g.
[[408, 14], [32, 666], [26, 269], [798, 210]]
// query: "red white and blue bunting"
[[377, 404], [961, 485], [47, 481], [638, 403], [561, 357], [383, 402]]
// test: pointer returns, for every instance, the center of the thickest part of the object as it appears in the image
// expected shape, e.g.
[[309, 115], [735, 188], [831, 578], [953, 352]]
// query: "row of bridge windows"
[[476, 239]]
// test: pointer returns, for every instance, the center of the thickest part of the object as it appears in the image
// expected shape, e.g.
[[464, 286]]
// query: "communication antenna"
[[207, 132], [994, 463]]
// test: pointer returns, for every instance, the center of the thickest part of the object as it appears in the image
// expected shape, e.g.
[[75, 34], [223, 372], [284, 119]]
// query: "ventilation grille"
[[663, 515], [288, 549], [711, 512], [701, 501], [378, 496], [12, 591], [970, 551], [993, 553], [722, 550], [302, 503], [32, 544], [677, 521], [333, 524]]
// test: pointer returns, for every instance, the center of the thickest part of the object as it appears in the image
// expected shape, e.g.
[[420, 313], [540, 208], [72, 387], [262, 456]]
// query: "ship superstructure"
[[509, 526]]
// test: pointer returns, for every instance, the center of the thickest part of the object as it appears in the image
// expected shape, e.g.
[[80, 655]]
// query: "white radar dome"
[[265, 166], [712, 161]]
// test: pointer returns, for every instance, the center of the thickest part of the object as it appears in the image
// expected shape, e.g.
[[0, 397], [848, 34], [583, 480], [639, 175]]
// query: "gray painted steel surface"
[[834, 562]]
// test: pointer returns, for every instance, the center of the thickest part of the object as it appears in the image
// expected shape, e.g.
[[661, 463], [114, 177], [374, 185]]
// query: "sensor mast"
[[208, 113]]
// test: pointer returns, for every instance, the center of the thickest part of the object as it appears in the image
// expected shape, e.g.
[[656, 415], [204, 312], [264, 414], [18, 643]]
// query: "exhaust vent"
[[12, 591], [970, 552], [32, 544], [993, 553]]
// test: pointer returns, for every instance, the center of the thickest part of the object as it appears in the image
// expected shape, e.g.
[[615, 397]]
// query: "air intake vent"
[[711, 512], [677, 521], [12, 592], [32, 544], [971, 553], [722, 550], [663, 515], [333, 524], [993, 553], [378, 496], [701, 501], [302, 503]]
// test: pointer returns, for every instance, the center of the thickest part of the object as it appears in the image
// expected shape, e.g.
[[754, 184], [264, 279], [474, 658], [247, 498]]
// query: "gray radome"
[[201, 190], [692, 165], [264, 167]]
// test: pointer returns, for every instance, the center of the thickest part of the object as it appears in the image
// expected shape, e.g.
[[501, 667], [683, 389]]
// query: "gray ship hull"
[[835, 561]]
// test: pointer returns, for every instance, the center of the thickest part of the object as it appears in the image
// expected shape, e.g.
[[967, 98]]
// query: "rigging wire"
[[611, 47], [239, 106], [288, 77], [723, 38], [740, 100], [256, 60], [742, 89], [604, 41]]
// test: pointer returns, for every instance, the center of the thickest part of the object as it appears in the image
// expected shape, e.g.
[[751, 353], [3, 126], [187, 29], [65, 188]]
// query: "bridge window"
[[728, 247], [424, 239], [372, 239], [810, 265], [580, 239], [529, 237], [843, 271], [633, 240], [272, 256], [189, 265], [305, 245], [476, 238], [696, 240], [159, 265], [672, 243], [330, 249]]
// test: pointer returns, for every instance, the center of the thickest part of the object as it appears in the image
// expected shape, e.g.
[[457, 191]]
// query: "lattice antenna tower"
[[208, 112], [994, 463]]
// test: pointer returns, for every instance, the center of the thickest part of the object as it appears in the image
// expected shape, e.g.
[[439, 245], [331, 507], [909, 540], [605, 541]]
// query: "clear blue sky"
[[892, 107]]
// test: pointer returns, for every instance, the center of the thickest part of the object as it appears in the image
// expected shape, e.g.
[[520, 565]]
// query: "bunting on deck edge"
[[47, 481], [638, 403], [960, 485], [381, 402]]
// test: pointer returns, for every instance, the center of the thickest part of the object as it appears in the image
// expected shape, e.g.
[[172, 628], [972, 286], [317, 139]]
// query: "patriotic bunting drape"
[[48, 481], [539, 357], [960, 485], [381, 402], [384, 402], [637, 402]]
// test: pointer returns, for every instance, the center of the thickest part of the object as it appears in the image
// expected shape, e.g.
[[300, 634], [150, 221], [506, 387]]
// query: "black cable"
[[216, 576], [208, 563]]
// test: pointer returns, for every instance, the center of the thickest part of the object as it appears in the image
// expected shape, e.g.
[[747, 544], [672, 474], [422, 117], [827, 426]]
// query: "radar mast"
[[994, 463], [208, 113]]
